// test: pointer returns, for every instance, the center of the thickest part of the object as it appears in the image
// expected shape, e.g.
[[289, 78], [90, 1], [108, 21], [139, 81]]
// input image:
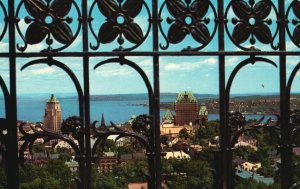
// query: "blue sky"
[[197, 74]]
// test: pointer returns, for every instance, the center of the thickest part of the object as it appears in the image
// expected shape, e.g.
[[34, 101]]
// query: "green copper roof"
[[203, 110], [168, 117], [52, 99], [185, 97]]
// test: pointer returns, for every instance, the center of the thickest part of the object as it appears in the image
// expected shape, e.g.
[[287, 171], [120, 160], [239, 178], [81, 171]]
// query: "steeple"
[[52, 99], [102, 121]]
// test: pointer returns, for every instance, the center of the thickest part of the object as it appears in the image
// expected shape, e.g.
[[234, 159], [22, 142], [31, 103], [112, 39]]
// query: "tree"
[[38, 148], [208, 131], [244, 152], [38, 177], [60, 172], [164, 139], [183, 133], [190, 174], [109, 145], [64, 154], [252, 184]]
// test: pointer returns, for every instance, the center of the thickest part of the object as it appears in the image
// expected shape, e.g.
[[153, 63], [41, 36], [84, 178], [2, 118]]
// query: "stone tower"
[[53, 118]]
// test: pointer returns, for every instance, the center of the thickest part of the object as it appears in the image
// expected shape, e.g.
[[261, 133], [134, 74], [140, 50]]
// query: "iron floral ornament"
[[295, 35], [187, 18], [119, 22], [48, 19], [251, 22], [3, 18]]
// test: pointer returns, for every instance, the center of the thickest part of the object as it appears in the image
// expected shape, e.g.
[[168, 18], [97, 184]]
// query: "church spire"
[[102, 121]]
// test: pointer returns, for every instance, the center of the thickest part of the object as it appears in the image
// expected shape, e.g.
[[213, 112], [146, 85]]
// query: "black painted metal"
[[250, 28]]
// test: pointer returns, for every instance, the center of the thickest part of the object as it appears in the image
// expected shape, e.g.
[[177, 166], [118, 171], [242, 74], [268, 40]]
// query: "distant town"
[[253, 104], [188, 140]]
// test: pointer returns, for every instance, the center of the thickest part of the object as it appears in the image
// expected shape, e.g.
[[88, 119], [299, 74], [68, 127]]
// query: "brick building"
[[186, 108], [52, 117]]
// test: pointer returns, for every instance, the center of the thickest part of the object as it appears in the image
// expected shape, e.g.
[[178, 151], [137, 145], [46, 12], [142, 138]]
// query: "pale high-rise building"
[[53, 118]]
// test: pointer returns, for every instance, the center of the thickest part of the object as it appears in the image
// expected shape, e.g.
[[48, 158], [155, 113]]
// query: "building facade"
[[52, 117], [186, 108]]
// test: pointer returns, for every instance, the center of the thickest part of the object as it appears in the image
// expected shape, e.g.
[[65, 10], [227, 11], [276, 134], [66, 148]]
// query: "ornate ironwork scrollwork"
[[295, 35], [188, 18], [295, 125], [48, 19], [3, 136], [3, 13], [238, 124], [295, 185], [40, 132], [142, 132], [252, 21], [120, 23]]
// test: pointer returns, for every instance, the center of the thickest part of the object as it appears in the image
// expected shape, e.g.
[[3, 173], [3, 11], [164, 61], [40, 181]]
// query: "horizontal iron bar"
[[144, 53]]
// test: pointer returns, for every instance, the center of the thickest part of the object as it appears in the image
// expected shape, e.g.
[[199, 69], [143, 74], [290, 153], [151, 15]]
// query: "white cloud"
[[35, 48], [22, 25], [188, 66], [42, 71], [232, 61], [3, 47], [120, 72]]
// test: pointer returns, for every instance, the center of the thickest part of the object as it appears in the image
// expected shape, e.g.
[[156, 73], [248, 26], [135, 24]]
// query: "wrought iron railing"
[[250, 26]]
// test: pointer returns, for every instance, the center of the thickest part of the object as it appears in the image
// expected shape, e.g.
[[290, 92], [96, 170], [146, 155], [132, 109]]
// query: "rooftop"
[[52, 99], [185, 97]]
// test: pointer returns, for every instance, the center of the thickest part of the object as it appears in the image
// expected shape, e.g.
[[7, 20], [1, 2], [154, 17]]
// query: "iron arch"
[[291, 80], [5, 93], [65, 68], [251, 60], [133, 65]]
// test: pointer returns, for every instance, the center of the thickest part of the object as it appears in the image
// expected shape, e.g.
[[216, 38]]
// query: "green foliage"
[[54, 175], [208, 131], [132, 172], [164, 139], [266, 169], [2, 177], [109, 145], [266, 143], [296, 160], [121, 176], [106, 181], [187, 174], [60, 172], [38, 148], [244, 152], [183, 134], [252, 184], [64, 154], [123, 150]]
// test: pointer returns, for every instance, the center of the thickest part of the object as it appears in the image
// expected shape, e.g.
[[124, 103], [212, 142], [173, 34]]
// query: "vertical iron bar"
[[156, 125], [12, 148], [286, 149], [86, 94], [224, 168]]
